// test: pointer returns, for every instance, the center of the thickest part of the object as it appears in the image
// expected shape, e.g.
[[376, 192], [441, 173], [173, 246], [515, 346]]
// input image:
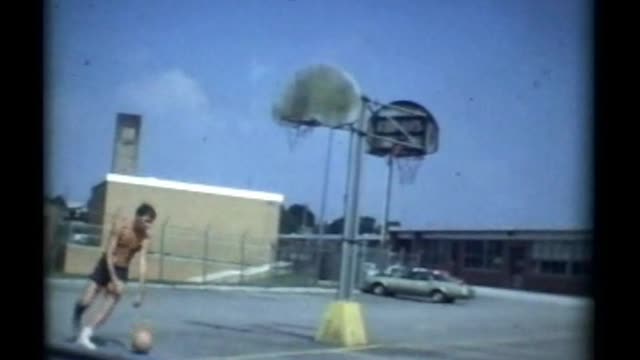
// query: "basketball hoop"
[[408, 169], [319, 95], [407, 165]]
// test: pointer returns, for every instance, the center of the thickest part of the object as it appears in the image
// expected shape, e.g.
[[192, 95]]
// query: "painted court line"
[[472, 345], [276, 355], [500, 352], [465, 345]]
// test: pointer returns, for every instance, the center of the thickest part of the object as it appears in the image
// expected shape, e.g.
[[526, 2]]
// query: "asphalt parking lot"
[[242, 324]]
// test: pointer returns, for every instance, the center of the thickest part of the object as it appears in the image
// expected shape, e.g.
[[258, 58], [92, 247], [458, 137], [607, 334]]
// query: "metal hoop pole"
[[325, 185], [387, 202], [345, 287]]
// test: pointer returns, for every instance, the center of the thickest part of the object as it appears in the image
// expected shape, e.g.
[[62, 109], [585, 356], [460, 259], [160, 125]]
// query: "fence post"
[[162, 239], [311, 261], [242, 258], [68, 231], [274, 259], [205, 255], [61, 237], [316, 257], [364, 253]]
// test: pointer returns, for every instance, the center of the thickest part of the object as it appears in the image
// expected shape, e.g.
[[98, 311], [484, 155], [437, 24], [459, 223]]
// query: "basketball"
[[141, 341]]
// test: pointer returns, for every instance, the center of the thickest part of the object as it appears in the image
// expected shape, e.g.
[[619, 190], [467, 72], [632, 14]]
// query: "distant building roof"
[[58, 201], [206, 189], [497, 234], [75, 204]]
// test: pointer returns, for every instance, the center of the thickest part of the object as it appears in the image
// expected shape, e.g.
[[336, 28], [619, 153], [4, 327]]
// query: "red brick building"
[[557, 261]]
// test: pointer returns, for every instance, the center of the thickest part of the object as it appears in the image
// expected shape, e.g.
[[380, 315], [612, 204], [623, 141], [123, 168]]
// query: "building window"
[[432, 252], [581, 268], [582, 251], [562, 257], [494, 255], [552, 267], [474, 254], [484, 254]]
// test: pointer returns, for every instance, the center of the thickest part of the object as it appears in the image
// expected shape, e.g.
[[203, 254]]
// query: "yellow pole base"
[[343, 325]]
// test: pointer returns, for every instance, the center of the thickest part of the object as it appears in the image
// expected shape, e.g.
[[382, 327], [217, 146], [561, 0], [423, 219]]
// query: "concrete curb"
[[487, 292], [480, 291], [303, 290]]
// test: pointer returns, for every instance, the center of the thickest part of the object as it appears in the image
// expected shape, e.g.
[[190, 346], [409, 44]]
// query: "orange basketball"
[[141, 341]]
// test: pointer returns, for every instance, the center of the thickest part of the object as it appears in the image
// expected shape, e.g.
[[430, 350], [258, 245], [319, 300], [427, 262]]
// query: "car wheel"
[[438, 296], [379, 289]]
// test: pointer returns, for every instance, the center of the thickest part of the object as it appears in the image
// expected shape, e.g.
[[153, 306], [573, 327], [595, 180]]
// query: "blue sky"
[[510, 83]]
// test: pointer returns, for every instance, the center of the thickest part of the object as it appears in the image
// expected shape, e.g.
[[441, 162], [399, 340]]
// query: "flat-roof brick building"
[[194, 222]]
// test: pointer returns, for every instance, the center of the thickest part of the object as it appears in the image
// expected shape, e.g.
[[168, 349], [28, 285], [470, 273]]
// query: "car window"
[[444, 277], [440, 277], [397, 273], [419, 275]]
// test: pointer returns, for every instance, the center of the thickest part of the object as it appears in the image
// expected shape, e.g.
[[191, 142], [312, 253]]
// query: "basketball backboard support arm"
[[394, 141], [394, 122], [394, 107], [411, 143], [402, 130]]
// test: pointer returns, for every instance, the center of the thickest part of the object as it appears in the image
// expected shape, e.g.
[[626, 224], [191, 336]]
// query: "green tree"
[[296, 218], [287, 223], [390, 224], [336, 226], [367, 226]]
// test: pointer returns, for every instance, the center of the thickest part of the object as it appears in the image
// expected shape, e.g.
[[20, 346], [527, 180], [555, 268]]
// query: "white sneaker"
[[85, 339]]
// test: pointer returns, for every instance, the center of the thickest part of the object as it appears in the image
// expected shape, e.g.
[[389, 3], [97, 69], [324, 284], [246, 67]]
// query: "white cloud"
[[170, 96]]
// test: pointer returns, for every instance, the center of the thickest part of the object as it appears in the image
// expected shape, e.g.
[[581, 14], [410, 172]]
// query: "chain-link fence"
[[203, 256], [317, 259]]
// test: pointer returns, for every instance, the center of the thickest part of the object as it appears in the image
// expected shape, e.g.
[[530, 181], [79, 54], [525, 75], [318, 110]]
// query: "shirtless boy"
[[112, 271]]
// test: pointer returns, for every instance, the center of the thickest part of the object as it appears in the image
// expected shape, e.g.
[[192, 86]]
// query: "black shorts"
[[101, 274]]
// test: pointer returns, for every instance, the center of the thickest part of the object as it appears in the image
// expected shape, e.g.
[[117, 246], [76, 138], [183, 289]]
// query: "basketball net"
[[295, 134], [407, 166]]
